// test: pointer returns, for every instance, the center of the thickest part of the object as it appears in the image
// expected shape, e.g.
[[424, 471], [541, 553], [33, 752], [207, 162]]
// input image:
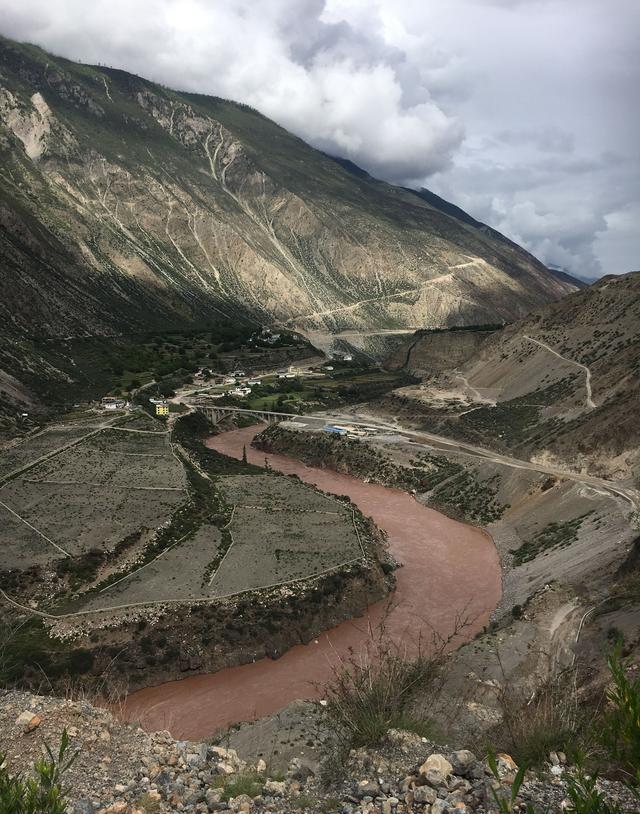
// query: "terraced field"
[[94, 488], [122, 515]]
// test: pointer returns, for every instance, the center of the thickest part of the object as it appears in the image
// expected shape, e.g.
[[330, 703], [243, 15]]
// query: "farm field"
[[279, 530], [36, 446], [177, 574], [22, 546], [121, 518], [115, 459], [90, 497], [79, 517], [272, 546]]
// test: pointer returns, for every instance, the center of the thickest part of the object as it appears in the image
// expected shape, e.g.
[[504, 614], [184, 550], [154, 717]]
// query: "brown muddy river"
[[449, 569]]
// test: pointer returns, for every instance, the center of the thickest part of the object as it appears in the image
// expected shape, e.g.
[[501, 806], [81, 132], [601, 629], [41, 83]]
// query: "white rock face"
[[32, 127]]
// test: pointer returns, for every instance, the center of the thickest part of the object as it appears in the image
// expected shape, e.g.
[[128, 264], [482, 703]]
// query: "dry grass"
[[375, 691]]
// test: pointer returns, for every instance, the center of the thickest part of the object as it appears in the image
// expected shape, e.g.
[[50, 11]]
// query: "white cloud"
[[521, 111]]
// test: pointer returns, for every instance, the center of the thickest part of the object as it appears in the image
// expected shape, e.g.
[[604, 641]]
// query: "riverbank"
[[450, 571]]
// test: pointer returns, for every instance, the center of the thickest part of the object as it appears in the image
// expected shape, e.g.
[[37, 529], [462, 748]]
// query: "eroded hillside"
[[561, 385], [124, 203]]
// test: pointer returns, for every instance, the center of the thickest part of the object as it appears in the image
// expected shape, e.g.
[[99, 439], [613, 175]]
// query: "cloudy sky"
[[523, 112]]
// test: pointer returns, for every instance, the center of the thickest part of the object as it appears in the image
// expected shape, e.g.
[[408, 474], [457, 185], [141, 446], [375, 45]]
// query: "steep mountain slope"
[[125, 204], [563, 383]]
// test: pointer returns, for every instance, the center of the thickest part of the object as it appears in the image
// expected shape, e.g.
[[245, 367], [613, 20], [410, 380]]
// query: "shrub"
[[42, 794], [374, 693], [250, 783], [553, 720], [620, 729]]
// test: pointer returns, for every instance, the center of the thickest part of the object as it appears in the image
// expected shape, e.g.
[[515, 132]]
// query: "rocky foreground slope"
[[120, 769], [124, 204], [561, 385]]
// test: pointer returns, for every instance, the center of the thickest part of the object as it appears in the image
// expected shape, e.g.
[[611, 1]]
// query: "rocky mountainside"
[[562, 384], [126, 205]]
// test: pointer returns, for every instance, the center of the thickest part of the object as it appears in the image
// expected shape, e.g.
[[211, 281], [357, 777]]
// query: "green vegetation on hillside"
[[553, 535]]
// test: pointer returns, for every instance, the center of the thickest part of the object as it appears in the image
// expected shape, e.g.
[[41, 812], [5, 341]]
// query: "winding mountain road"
[[590, 402], [632, 496]]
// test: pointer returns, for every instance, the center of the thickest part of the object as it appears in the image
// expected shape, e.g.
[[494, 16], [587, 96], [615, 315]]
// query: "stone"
[[212, 796], [28, 721], [437, 762], [462, 761], [241, 803], [459, 784], [403, 739], [225, 768], [119, 807], [367, 788], [507, 767], [439, 807], [424, 794], [276, 788], [261, 766], [434, 778]]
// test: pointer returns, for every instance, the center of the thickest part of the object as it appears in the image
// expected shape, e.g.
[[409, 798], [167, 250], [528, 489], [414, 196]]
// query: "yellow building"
[[162, 409]]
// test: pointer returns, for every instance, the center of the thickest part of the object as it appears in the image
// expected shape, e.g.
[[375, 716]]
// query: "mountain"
[[124, 202], [127, 207], [562, 385], [575, 279]]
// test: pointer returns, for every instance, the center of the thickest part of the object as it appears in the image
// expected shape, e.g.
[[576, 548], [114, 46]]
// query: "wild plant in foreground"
[[42, 794]]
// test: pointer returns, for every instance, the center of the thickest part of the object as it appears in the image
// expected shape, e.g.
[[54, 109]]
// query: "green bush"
[[620, 729], [41, 794]]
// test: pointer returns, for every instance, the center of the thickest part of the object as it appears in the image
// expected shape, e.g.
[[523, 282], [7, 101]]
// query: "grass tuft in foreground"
[[41, 794]]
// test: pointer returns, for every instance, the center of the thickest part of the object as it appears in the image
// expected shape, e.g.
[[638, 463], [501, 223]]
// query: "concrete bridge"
[[214, 413]]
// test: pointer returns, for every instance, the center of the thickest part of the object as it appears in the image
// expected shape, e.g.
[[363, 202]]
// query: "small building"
[[113, 403], [240, 391], [254, 382], [162, 409]]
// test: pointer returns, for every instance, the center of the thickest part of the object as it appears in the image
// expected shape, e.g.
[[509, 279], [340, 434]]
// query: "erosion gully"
[[449, 569]]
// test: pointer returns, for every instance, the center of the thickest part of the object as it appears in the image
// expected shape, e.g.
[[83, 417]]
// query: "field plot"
[[80, 517], [276, 493], [44, 443], [141, 421], [278, 546], [281, 530], [177, 574], [138, 443], [21, 546], [104, 461]]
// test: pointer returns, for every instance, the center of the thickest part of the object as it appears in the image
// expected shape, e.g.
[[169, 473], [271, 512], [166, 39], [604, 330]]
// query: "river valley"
[[449, 570]]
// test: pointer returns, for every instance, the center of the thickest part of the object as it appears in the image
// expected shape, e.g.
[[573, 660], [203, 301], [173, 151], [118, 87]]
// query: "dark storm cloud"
[[522, 111]]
